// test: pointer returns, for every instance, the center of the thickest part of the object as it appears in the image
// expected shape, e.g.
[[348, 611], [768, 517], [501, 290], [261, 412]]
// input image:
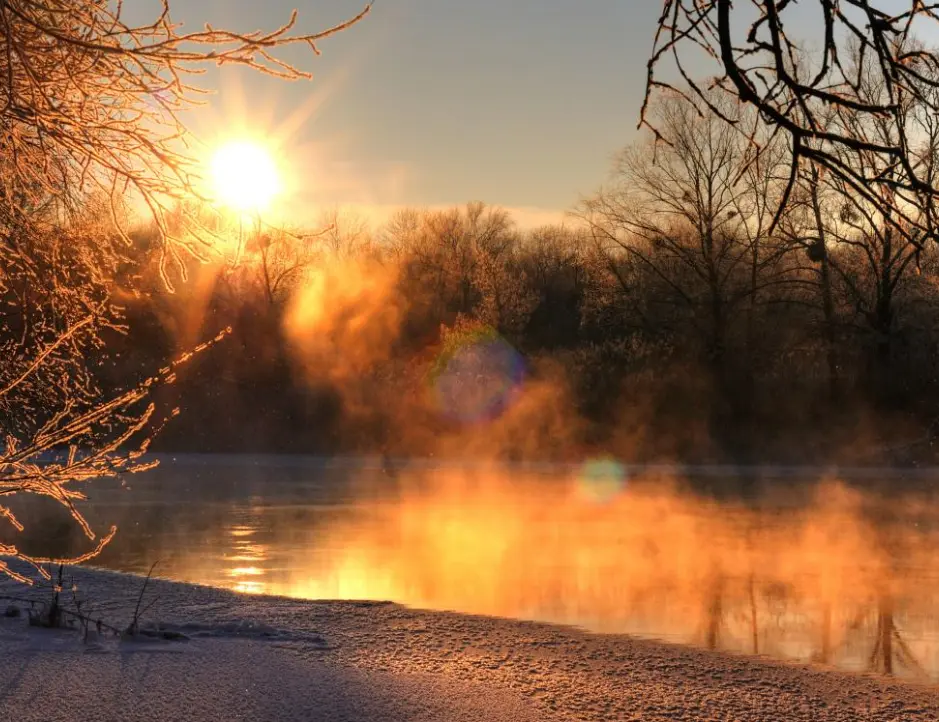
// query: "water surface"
[[847, 578]]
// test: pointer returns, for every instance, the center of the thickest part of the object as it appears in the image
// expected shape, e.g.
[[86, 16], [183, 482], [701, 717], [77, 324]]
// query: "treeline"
[[675, 315]]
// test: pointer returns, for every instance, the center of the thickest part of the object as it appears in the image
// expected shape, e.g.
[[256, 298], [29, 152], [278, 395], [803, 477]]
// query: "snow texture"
[[254, 658]]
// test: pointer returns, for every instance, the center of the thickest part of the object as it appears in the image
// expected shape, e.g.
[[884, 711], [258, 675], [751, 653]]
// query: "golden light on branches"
[[90, 102], [91, 120], [85, 443]]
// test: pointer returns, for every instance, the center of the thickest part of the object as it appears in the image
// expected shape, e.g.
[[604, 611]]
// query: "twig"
[[132, 629]]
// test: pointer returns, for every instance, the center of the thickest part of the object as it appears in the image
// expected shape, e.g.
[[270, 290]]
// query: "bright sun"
[[244, 176]]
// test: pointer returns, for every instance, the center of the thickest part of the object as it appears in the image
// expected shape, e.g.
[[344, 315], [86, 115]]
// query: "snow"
[[269, 658]]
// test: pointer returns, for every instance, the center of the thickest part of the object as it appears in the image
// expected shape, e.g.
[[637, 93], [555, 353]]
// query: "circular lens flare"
[[477, 376], [601, 480], [244, 176]]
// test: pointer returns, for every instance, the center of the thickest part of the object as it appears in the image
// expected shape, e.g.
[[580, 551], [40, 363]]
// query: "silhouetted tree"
[[685, 225], [759, 61]]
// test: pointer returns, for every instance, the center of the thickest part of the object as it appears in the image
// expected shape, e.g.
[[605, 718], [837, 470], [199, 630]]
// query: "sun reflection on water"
[[805, 584], [246, 571], [809, 580], [243, 587], [250, 557]]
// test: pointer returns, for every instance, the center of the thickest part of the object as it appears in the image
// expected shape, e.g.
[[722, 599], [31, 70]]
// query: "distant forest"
[[668, 318]]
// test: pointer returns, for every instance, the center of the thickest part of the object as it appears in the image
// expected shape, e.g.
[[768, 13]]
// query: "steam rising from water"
[[783, 578], [794, 578], [468, 393], [344, 319]]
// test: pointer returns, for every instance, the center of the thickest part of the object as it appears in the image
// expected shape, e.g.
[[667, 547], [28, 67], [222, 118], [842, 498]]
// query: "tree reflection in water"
[[811, 573]]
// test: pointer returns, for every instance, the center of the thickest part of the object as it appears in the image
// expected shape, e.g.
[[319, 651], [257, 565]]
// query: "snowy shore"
[[266, 658]]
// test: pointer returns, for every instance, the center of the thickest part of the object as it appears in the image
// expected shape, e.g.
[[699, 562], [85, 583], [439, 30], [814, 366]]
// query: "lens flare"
[[601, 480], [477, 376]]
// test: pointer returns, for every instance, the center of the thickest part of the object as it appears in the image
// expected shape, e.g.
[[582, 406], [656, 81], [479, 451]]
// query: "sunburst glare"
[[245, 176]]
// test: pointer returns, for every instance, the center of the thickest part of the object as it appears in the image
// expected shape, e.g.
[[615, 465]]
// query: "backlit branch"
[[79, 445], [762, 62], [92, 103]]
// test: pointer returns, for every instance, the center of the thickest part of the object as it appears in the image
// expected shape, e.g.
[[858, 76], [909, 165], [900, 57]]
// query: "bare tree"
[[280, 258], [689, 219], [506, 297], [90, 117], [89, 101], [445, 254], [553, 258], [867, 249], [805, 224], [761, 62], [345, 233]]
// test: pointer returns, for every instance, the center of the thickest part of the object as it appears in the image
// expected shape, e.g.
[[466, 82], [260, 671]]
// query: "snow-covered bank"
[[50, 676], [266, 658]]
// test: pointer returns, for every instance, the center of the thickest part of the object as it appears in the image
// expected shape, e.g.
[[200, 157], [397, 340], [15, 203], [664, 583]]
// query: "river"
[[790, 569]]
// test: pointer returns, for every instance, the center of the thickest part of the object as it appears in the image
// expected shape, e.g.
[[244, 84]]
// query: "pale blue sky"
[[520, 103]]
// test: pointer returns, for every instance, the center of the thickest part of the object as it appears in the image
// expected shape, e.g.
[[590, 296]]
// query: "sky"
[[518, 103]]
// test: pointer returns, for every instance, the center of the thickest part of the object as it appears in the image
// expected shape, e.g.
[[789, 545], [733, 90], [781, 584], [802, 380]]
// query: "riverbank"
[[267, 658]]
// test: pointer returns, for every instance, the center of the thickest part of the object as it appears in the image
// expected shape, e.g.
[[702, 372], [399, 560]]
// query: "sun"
[[244, 176]]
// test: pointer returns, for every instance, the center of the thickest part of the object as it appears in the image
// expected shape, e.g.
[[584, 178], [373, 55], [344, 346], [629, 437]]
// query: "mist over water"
[[817, 580], [798, 569]]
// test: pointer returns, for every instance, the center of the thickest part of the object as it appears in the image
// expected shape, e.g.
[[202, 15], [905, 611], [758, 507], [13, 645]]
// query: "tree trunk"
[[883, 356], [828, 306]]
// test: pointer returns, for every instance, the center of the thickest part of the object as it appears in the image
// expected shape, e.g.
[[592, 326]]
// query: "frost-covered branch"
[[92, 103]]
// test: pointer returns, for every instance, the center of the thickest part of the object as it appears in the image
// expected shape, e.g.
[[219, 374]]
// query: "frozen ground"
[[264, 658]]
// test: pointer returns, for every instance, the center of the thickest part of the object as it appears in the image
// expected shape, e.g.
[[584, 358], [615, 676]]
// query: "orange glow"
[[647, 561], [240, 531], [344, 318], [643, 557], [243, 558], [246, 572], [249, 588]]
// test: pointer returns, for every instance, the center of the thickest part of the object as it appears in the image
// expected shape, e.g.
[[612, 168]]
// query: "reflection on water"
[[836, 576], [248, 560]]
